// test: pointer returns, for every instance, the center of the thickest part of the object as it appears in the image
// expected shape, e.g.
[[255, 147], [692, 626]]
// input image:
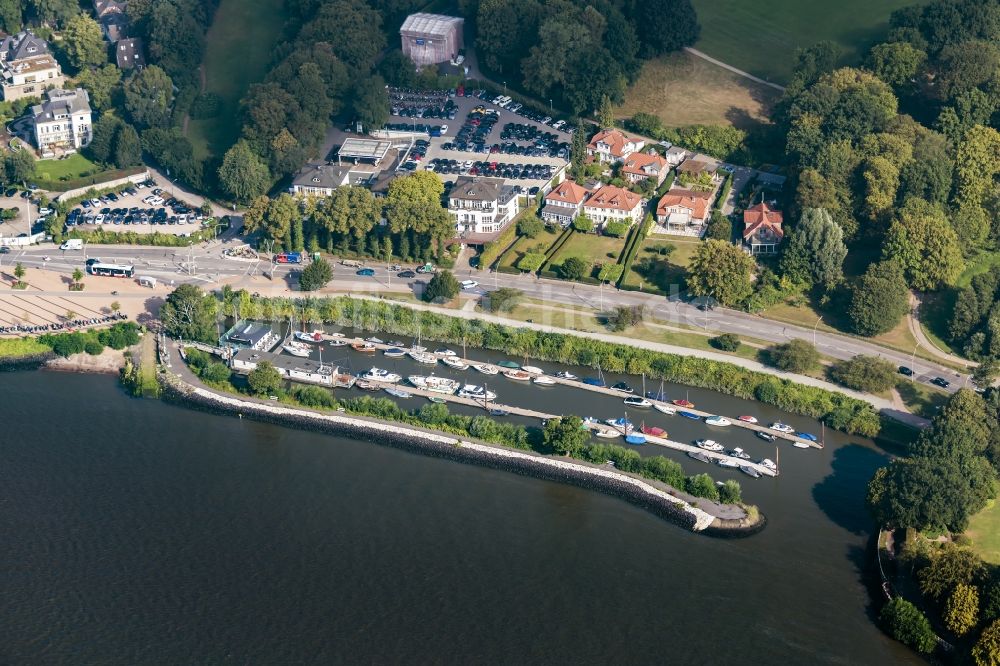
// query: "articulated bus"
[[111, 270]]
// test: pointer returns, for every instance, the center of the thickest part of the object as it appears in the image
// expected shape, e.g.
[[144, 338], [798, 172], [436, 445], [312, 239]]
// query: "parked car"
[[407, 274], [469, 284], [366, 272], [941, 381], [903, 370]]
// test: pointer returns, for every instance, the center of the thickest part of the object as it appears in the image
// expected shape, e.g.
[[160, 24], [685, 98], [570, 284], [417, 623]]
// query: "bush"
[[573, 268], [93, 347], [719, 227], [583, 224], [314, 396], [216, 373], [316, 275], [730, 492], [530, 226], [624, 316], [865, 373], [119, 336], [66, 344], [725, 342], [702, 485], [503, 299], [264, 379], [908, 625], [616, 229], [442, 287], [794, 356]]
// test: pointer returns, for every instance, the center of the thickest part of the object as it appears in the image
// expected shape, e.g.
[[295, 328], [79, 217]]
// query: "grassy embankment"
[[984, 530], [762, 37], [239, 48], [21, 347]]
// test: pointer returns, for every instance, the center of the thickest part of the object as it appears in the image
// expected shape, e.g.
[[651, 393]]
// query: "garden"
[[592, 249]]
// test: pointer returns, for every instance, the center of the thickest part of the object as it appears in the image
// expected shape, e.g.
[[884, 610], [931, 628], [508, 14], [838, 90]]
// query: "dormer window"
[[31, 49]]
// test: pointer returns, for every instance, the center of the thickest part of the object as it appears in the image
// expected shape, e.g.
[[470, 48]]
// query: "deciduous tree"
[[83, 43], [961, 611], [243, 175], [442, 287], [565, 435], [264, 379], [925, 245], [879, 299], [816, 250], [148, 93], [722, 271], [316, 275]]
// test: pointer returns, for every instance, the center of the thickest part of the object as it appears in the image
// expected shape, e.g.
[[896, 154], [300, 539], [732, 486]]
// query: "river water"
[[137, 532]]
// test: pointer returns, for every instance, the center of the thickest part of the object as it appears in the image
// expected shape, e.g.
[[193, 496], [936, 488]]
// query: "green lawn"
[[74, 166], [239, 49], [762, 37], [524, 245], [19, 347], [592, 248], [921, 399], [661, 271], [984, 529]]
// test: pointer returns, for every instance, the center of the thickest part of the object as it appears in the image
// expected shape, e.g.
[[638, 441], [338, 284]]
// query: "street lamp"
[[815, 327]]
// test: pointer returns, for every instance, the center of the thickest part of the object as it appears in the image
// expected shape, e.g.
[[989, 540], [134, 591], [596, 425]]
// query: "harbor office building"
[[250, 335]]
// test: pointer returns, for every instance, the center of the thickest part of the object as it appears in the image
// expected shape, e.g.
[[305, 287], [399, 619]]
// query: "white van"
[[469, 284], [72, 244]]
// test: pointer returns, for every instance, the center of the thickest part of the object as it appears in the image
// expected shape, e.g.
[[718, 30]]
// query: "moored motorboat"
[[441, 351], [474, 392], [394, 352], [497, 411], [683, 403], [397, 392], [767, 463], [396, 343], [336, 342], [296, 351], [366, 385], [375, 341], [315, 336], [635, 438], [766, 436], [720, 421], [801, 445], [606, 434], [532, 370], [654, 431], [710, 445], [748, 419], [422, 357], [364, 347], [455, 362], [807, 436], [657, 395], [664, 408], [517, 375], [437, 400], [562, 374], [621, 386], [432, 383], [542, 380], [782, 427], [636, 401], [727, 462], [690, 415], [380, 375], [485, 368], [621, 424], [699, 456], [739, 453], [750, 471]]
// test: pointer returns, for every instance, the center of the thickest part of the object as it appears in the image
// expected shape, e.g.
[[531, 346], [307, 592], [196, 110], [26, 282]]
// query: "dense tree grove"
[[947, 478], [578, 53]]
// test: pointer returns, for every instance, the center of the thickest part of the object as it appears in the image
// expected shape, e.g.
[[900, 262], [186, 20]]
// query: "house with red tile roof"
[[612, 145], [611, 204], [762, 231], [638, 167], [564, 203], [683, 212]]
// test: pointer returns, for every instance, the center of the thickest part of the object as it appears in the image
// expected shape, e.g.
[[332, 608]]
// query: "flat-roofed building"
[[364, 150], [429, 39]]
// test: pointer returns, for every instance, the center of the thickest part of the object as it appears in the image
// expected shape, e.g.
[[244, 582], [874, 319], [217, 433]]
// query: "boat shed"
[[250, 335], [430, 39], [290, 367]]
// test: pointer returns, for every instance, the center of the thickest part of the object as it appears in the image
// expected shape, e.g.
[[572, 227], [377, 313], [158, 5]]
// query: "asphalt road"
[[203, 264]]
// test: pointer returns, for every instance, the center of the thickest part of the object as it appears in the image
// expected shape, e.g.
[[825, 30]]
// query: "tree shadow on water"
[[841, 494]]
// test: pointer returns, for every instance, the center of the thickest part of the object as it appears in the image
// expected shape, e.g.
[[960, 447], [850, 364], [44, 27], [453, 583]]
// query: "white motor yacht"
[[474, 392], [767, 463], [486, 368], [562, 374], [296, 351], [380, 375], [435, 384], [727, 462], [739, 453], [781, 427], [455, 362], [718, 421], [423, 357], [709, 445], [542, 380]]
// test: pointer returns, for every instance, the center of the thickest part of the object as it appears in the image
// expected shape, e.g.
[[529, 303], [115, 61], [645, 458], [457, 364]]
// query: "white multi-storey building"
[[26, 66], [62, 121], [481, 206]]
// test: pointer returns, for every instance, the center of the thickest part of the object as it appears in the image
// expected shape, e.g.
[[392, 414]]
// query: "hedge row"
[[727, 184], [551, 252], [632, 247], [156, 239], [837, 410], [496, 247]]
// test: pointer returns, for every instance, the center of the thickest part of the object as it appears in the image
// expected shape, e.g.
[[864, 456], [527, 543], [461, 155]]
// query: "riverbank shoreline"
[[108, 362], [651, 496]]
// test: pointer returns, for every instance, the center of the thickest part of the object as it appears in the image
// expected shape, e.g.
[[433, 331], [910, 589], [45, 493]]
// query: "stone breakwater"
[[633, 490], [32, 362]]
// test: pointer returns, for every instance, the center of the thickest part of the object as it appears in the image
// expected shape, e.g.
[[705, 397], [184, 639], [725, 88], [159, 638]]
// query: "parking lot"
[[142, 209], [480, 138]]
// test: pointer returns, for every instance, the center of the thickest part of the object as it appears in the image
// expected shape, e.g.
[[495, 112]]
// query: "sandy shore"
[[110, 361]]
